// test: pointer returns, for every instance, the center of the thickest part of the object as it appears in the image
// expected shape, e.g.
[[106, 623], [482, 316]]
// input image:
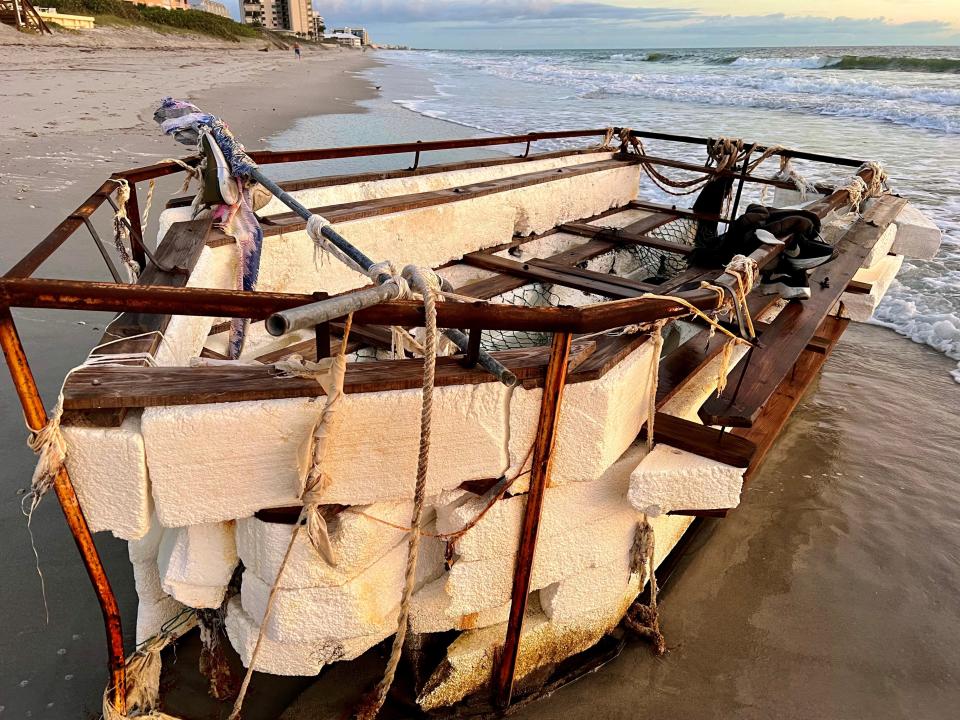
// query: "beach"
[[829, 593]]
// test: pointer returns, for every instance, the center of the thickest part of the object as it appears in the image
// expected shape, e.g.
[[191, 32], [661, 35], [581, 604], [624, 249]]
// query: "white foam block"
[[194, 455], [155, 608], [672, 479], [423, 236], [427, 182], [788, 198], [289, 658], [366, 605], [108, 468], [186, 335], [599, 586], [882, 247], [470, 658], [917, 235], [859, 307], [481, 584], [358, 540], [197, 562], [430, 611], [598, 421], [497, 534]]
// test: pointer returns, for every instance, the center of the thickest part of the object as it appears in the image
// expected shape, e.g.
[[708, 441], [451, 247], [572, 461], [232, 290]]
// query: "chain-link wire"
[[637, 262]]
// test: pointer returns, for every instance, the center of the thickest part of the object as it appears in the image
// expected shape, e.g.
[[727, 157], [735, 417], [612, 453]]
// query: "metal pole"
[[370, 296], [36, 417], [503, 673]]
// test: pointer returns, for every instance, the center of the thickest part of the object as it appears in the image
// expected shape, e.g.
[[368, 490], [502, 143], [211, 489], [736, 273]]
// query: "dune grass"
[[120, 13]]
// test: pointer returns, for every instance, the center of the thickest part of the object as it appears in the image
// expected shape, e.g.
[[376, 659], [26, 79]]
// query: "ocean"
[[896, 105]]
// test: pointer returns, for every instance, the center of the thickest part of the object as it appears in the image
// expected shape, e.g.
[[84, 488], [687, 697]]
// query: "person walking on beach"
[[296, 50]]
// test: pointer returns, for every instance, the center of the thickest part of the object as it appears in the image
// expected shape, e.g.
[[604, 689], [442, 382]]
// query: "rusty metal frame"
[[19, 289]]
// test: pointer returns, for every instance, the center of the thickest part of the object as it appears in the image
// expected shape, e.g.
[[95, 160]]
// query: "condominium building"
[[210, 6], [318, 27], [168, 4], [293, 16]]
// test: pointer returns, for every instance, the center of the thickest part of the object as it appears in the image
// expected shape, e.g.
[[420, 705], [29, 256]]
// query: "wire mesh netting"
[[637, 262], [630, 260]]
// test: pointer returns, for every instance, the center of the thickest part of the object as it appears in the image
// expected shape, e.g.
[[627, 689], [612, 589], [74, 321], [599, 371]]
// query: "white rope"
[[121, 233], [49, 446], [315, 225], [427, 284]]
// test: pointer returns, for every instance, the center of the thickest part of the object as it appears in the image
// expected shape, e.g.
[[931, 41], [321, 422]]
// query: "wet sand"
[[831, 592]]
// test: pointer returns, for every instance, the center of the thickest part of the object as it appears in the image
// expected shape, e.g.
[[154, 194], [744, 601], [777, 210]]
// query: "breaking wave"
[[900, 63]]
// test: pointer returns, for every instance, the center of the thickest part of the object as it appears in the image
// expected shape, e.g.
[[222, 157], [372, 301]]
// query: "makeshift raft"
[[565, 275]]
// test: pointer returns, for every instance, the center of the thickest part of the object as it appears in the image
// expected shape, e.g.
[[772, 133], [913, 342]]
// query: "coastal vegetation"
[[118, 12]]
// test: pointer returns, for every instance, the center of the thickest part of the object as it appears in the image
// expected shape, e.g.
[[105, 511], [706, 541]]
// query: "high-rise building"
[[318, 27], [293, 16], [210, 6]]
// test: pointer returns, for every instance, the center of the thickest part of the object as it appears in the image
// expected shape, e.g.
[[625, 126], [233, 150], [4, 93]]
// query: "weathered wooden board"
[[122, 387], [134, 333], [702, 440], [679, 368], [757, 376], [288, 222]]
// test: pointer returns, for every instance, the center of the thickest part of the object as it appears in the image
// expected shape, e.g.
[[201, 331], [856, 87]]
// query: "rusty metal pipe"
[[503, 672], [36, 417]]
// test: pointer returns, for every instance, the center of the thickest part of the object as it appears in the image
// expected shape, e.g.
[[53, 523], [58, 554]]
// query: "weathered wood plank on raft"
[[681, 367], [136, 333], [344, 212], [702, 440], [626, 236], [557, 274], [755, 379], [379, 175], [124, 387]]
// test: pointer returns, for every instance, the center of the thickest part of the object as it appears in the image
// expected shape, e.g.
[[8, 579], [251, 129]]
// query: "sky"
[[534, 24]]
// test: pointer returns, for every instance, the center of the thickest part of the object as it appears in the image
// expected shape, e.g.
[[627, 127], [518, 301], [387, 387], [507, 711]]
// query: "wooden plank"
[[775, 413], [624, 236], [608, 352], [751, 384], [123, 387], [681, 366], [539, 273], [607, 278], [135, 333], [378, 175], [499, 284], [859, 287], [289, 222], [702, 440], [673, 209]]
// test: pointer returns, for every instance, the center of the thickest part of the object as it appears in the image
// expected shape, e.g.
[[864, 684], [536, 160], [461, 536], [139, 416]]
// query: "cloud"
[[492, 11]]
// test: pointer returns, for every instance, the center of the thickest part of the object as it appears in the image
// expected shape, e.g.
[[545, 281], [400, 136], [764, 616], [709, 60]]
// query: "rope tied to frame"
[[143, 666], [50, 447], [657, 336], [427, 284], [121, 232], [644, 620], [191, 174], [858, 189], [329, 373]]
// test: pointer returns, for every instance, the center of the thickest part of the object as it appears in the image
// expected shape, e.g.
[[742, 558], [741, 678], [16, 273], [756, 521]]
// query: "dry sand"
[[70, 116]]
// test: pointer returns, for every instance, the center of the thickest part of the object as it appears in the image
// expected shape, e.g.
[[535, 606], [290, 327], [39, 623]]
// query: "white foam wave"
[[814, 62]]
